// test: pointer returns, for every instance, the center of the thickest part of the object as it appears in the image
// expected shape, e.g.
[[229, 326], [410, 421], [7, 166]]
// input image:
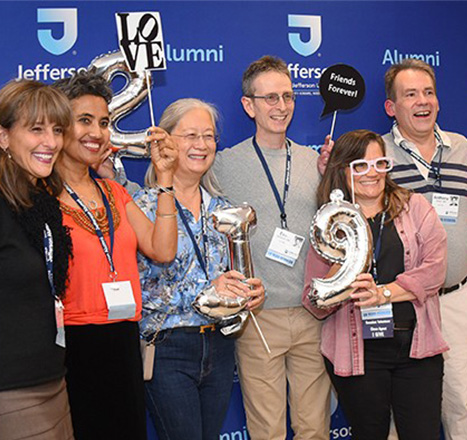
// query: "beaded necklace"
[[83, 221]]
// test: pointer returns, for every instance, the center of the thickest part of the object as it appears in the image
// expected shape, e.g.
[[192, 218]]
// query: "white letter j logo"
[[311, 22], [69, 19]]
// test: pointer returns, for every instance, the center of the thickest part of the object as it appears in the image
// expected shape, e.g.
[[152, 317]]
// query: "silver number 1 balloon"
[[235, 222]]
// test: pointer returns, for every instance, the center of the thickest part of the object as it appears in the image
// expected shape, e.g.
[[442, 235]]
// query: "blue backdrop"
[[209, 44]]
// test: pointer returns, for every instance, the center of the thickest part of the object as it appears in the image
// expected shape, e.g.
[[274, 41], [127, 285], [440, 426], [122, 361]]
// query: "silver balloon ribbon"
[[340, 234]]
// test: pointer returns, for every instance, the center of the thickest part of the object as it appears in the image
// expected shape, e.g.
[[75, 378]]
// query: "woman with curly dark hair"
[[35, 249], [103, 300]]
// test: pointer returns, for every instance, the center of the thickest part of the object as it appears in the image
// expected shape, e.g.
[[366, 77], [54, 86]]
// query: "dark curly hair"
[[85, 83]]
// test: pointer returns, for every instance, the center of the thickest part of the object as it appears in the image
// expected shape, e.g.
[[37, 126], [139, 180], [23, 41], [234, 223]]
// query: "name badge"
[[285, 247], [120, 300], [447, 207], [377, 322], [60, 337]]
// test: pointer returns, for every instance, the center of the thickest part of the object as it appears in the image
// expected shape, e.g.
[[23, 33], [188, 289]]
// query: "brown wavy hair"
[[26, 102], [349, 147], [267, 63]]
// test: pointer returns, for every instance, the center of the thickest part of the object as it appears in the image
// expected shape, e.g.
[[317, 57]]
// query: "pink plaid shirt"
[[425, 251]]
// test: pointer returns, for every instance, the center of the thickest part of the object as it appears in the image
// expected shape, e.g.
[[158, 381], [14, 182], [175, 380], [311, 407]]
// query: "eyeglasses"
[[381, 165], [273, 98], [208, 139]]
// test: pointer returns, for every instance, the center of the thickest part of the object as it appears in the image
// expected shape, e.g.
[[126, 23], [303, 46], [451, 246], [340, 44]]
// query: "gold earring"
[[7, 152]]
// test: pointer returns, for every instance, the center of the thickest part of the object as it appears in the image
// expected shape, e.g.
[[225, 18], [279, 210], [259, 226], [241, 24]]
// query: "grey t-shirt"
[[242, 179]]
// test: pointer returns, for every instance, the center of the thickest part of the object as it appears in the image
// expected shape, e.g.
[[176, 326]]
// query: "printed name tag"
[[120, 300], [377, 322], [285, 247], [60, 337], [447, 207]]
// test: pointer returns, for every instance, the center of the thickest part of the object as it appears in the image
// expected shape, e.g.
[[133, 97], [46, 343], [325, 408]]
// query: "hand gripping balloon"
[[236, 223]]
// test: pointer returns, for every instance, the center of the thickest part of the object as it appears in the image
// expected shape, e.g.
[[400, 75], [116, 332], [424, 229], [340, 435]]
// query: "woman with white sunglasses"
[[399, 366]]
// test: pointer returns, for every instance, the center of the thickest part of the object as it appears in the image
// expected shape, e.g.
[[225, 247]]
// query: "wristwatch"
[[387, 294]]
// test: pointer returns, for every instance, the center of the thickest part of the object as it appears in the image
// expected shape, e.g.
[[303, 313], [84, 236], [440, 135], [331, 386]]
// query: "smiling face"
[[368, 187], [416, 105], [271, 120], [91, 130], [35, 147], [195, 156]]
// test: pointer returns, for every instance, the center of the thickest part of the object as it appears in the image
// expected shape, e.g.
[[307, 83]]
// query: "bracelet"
[[165, 189], [174, 215]]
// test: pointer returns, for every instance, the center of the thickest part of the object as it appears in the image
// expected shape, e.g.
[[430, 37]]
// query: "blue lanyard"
[[49, 258], [377, 247], [202, 261], [288, 164], [94, 223], [435, 170]]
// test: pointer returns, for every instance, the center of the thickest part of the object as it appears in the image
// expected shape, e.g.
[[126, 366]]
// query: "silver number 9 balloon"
[[340, 234], [135, 91]]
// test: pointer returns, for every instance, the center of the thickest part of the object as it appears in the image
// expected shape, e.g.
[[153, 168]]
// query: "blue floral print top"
[[169, 289]]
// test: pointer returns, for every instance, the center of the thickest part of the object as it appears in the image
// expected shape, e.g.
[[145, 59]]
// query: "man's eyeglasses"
[[381, 165], [273, 98], [208, 139]]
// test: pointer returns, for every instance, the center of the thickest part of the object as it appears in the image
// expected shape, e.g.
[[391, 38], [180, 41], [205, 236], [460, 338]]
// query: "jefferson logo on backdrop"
[[57, 40], [305, 42], [313, 24], [68, 18]]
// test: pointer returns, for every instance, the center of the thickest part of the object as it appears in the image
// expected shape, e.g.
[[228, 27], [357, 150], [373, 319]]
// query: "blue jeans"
[[189, 393]]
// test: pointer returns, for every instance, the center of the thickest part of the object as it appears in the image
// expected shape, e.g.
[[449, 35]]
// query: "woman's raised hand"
[[164, 151]]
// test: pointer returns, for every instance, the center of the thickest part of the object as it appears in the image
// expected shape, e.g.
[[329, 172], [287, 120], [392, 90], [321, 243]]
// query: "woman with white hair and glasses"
[[399, 368], [189, 393]]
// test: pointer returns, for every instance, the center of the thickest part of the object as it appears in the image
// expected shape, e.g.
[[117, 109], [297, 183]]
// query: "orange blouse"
[[84, 299]]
